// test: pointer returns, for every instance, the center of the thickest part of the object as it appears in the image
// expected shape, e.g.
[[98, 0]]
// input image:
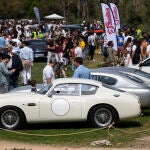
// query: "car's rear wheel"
[[11, 118], [102, 116]]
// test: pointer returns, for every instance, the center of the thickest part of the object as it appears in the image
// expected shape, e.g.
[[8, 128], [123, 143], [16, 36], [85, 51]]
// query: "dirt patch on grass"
[[139, 143]]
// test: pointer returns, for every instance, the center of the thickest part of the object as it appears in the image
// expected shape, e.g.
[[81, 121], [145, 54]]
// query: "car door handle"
[[31, 104], [116, 95]]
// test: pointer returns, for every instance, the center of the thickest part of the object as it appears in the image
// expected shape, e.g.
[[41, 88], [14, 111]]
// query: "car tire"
[[11, 118], [102, 116]]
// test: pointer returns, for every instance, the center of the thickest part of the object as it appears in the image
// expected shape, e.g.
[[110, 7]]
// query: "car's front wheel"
[[11, 118], [102, 116]]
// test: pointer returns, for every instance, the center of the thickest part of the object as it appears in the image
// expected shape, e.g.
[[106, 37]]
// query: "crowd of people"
[[133, 47], [16, 58]]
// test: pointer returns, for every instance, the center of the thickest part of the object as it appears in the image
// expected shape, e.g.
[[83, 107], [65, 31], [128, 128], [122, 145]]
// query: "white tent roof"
[[54, 16]]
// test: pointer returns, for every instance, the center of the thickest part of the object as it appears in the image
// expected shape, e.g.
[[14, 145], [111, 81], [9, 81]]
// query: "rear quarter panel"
[[126, 105]]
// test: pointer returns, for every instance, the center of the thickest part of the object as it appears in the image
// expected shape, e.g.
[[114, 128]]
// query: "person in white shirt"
[[127, 60], [26, 55], [48, 73], [78, 51], [92, 45], [128, 36], [27, 34]]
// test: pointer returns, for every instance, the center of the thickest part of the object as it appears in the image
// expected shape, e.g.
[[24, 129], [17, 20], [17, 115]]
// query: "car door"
[[62, 103]]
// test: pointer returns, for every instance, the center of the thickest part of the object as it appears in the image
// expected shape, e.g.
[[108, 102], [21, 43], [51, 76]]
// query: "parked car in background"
[[39, 48], [67, 100], [144, 65], [73, 27], [125, 82], [131, 71]]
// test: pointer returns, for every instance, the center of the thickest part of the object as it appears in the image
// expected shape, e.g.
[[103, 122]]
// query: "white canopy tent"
[[54, 16]]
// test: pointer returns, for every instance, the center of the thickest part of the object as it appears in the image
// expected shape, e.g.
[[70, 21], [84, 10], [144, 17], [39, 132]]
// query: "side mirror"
[[50, 95]]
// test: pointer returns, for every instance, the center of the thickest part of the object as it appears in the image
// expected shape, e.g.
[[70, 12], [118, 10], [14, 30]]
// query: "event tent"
[[54, 16]]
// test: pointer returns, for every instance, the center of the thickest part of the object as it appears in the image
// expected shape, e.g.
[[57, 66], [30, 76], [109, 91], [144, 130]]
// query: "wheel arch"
[[15, 107], [104, 105]]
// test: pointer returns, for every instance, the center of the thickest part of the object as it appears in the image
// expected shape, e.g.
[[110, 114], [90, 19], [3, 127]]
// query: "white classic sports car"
[[68, 100]]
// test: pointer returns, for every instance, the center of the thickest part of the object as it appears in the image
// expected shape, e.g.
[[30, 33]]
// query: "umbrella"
[[54, 16]]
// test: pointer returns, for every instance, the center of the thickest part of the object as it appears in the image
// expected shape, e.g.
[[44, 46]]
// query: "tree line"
[[132, 12]]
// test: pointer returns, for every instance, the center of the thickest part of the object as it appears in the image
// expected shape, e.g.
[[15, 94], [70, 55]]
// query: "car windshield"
[[142, 73], [38, 44], [45, 89]]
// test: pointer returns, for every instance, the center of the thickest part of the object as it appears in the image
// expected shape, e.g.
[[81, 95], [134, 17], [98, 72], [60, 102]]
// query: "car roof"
[[76, 80], [119, 69], [107, 71], [118, 75], [73, 26]]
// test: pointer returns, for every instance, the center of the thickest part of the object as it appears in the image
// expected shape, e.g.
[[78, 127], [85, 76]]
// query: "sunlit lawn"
[[123, 133]]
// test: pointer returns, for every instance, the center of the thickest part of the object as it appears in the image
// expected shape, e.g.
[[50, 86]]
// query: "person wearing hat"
[[48, 72], [16, 63]]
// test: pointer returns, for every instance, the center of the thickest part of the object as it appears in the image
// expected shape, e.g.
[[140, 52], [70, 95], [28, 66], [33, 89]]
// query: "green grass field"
[[120, 136]]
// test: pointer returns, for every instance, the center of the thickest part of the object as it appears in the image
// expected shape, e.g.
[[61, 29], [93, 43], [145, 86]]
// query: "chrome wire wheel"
[[103, 117], [10, 119]]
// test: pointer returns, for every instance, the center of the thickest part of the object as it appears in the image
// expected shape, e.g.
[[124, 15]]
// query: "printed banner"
[[116, 15], [109, 24], [37, 14]]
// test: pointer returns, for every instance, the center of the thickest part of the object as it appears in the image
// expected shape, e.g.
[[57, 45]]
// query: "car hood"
[[19, 97]]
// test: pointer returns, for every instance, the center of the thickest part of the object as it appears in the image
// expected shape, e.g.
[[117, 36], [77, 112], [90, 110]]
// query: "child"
[[33, 83]]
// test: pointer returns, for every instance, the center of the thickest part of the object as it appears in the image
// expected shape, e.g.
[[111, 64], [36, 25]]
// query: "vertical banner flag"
[[116, 15], [109, 24], [37, 14]]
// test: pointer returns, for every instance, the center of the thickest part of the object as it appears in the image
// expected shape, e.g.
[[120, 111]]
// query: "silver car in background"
[[144, 65], [131, 71], [125, 82]]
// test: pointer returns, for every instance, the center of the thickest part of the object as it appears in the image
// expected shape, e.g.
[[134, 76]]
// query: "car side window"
[[67, 89], [96, 77], [108, 80], [104, 79], [45, 89], [87, 89]]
